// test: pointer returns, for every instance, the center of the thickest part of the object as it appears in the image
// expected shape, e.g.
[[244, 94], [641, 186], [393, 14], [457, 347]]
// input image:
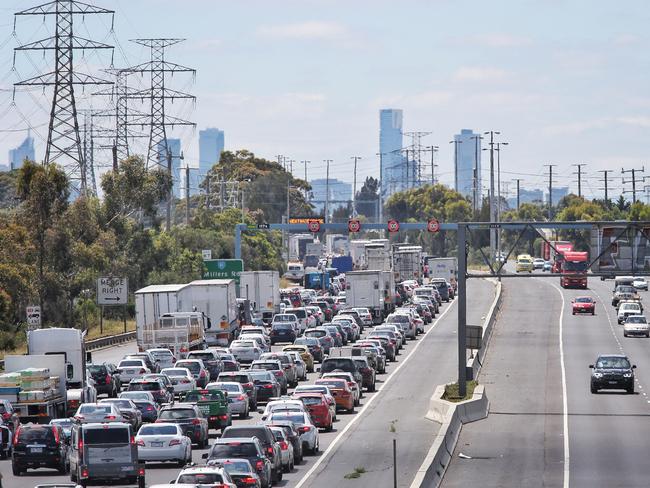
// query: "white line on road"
[[330, 448], [565, 408]]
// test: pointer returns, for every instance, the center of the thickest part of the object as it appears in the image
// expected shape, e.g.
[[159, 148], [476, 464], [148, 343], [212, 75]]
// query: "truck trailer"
[[263, 289]]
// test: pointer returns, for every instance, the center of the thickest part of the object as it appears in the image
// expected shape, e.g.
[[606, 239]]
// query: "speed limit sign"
[[354, 225], [393, 225], [313, 225], [433, 225]]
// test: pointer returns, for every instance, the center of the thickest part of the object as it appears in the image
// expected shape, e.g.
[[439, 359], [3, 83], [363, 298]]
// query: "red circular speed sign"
[[393, 226], [433, 225], [313, 225], [354, 225]]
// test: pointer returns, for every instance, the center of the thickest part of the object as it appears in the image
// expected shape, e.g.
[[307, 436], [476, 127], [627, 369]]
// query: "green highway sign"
[[222, 269]]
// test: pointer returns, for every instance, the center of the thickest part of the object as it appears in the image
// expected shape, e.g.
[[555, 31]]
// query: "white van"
[[295, 271]]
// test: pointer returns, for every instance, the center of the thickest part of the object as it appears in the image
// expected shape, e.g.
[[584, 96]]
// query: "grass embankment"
[[111, 327], [451, 392]]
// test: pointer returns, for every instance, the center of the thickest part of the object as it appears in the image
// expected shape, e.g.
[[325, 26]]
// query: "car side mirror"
[[591, 366], [172, 482], [634, 366], [204, 455]]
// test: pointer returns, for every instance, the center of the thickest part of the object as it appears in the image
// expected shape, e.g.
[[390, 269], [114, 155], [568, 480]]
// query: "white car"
[[163, 442], [284, 404], [365, 315], [538, 263], [263, 340], [254, 329], [208, 475], [316, 312], [163, 357], [287, 318], [286, 448], [246, 350], [129, 369], [102, 413], [640, 283], [308, 431], [237, 397], [626, 309], [306, 321], [181, 378], [636, 325]]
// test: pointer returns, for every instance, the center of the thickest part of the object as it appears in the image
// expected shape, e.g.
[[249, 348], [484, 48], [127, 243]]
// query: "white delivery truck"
[[315, 249], [446, 268], [337, 244], [367, 289], [263, 289], [358, 253], [377, 257], [217, 299], [407, 263]]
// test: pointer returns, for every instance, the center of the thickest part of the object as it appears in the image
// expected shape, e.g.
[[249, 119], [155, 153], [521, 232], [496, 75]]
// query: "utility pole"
[[605, 173], [518, 180], [475, 172], [306, 191], [498, 207], [550, 190], [354, 186], [63, 139], [187, 194], [327, 191], [579, 174], [633, 171], [434, 150], [491, 200], [291, 161]]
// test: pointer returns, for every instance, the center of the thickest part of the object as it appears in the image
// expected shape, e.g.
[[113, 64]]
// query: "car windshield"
[[613, 363], [261, 375], [237, 466], [583, 300], [306, 388], [311, 400], [282, 326], [158, 430], [119, 403], [206, 356], [119, 435], [234, 449], [636, 319], [229, 387], [242, 344], [36, 434], [145, 386], [238, 377], [630, 306], [135, 395], [306, 341], [284, 318], [200, 478], [191, 365], [332, 363], [95, 409], [132, 363], [175, 372], [203, 396], [315, 333], [625, 289], [332, 383], [161, 354], [96, 369], [176, 414], [576, 265], [266, 366], [298, 418]]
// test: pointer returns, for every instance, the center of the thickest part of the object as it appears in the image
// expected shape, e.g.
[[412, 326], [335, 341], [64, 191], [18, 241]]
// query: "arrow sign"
[[112, 290]]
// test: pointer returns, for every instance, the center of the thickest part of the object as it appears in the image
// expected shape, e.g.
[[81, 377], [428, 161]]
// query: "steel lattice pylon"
[[63, 139], [157, 94]]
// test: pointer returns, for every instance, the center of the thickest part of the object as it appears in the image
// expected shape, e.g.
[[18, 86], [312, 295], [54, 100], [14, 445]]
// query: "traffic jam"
[[239, 414]]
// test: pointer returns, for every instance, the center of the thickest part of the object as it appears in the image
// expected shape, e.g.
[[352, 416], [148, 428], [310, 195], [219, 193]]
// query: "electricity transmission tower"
[[416, 150], [157, 95], [63, 139]]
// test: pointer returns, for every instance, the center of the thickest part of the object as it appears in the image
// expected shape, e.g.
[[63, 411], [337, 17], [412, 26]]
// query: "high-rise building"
[[393, 167], [211, 144], [527, 196], [174, 147], [340, 193], [22, 152], [467, 165], [559, 192]]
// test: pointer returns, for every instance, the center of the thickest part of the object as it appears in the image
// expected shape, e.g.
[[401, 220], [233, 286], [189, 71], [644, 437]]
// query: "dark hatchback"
[[106, 381], [314, 346], [39, 446], [244, 448], [189, 418], [282, 332], [266, 385], [612, 371]]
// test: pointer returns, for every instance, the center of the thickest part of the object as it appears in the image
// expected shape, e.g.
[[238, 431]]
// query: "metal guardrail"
[[100, 343]]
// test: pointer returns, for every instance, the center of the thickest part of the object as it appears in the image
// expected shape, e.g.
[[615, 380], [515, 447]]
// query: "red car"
[[319, 409], [341, 391], [583, 305]]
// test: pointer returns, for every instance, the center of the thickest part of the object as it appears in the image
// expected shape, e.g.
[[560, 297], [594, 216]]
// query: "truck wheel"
[[16, 470]]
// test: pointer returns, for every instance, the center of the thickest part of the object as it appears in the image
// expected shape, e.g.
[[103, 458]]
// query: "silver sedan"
[[163, 442], [237, 397]]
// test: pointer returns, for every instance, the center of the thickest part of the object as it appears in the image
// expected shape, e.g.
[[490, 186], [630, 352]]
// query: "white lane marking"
[[565, 407], [359, 414]]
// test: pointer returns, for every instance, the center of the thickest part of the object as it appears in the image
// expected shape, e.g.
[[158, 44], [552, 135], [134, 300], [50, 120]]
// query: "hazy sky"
[[564, 81]]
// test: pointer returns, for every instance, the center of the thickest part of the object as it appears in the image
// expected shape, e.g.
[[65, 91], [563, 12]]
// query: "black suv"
[[269, 446], [39, 446], [342, 364], [244, 379], [154, 386], [189, 418], [106, 381], [291, 431], [612, 371], [244, 448]]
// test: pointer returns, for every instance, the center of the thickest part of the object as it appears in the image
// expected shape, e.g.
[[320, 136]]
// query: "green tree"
[[368, 198]]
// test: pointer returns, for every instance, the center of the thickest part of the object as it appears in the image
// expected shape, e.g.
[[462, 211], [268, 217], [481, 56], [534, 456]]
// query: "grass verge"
[[451, 392], [358, 471]]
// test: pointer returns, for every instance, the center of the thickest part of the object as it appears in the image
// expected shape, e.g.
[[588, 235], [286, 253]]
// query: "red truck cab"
[[573, 269]]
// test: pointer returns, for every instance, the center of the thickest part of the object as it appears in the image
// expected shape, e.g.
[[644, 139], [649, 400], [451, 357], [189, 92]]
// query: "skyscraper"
[[22, 152], [211, 144], [340, 193], [174, 146], [393, 171], [467, 164]]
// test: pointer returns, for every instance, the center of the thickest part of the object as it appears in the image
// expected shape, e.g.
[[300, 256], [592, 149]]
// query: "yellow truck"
[[524, 263]]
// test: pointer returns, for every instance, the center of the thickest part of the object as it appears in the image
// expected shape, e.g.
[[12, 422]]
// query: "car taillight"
[[269, 449], [140, 442], [174, 442], [259, 465], [16, 436], [202, 373], [268, 387], [351, 384], [248, 385], [84, 473], [303, 429], [196, 422], [149, 408], [141, 470], [108, 379], [249, 481], [223, 417], [109, 417], [6, 416], [241, 398], [80, 445], [185, 381], [143, 371], [284, 446], [132, 440]]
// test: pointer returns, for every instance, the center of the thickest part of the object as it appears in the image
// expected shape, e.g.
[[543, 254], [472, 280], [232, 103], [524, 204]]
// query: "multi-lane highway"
[[545, 427], [363, 439]]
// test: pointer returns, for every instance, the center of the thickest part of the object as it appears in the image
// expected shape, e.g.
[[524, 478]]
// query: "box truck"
[[358, 253], [367, 289], [446, 268], [263, 289]]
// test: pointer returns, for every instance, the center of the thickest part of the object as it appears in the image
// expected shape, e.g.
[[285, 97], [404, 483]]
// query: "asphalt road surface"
[[530, 438], [358, 440]]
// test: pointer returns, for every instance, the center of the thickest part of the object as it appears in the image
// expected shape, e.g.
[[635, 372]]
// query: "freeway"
[[544, 430], [361, 439]]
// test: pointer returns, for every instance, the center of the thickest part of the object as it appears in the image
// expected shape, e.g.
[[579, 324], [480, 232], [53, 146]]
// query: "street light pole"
[[354, 189], [491, 200]]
